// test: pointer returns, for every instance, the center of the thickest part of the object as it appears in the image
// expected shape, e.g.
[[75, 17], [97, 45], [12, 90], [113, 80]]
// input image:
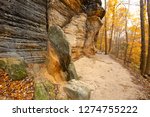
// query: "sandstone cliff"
[[48, 35], [23, 29]]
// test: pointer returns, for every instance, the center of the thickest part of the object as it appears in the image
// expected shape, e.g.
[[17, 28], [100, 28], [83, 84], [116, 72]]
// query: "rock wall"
[[23, 32], [79, 26], [59, 13], [76, 34], [23, 29], [48, 35], [72, 32]]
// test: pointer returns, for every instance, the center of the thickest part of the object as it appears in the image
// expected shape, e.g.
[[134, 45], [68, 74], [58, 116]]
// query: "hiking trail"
[[108, 79]]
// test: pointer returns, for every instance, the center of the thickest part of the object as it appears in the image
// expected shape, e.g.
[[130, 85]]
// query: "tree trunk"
[[148, 57], [105, 25], [126, 32], [131, 49], [126, 46], [143, 48], [112, 30]]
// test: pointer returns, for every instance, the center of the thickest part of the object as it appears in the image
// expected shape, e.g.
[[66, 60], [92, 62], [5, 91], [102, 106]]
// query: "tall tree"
[[105, 25], [143, 46], [113, 23], [126, 33], [148, 57], [133, 40]]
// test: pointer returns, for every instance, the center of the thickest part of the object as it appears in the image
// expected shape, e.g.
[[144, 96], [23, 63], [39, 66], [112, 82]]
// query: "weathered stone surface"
[[77, 90], [75, 31], [15, 67], [44, 87], [59, 13], [93, 8], [27, 26], [75, 5], [53, 65], [72, 71], [40, 92], [23, 28], [2, 64], [61, 45], [93, 25]]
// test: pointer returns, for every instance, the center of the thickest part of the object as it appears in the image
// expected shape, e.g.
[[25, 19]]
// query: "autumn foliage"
[[15, 90]]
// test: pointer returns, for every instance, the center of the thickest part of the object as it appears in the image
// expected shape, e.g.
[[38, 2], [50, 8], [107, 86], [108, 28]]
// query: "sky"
[[134, 9], [134, 6]]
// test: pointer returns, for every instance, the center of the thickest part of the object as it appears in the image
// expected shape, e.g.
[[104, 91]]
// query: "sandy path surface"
[[108, 79]]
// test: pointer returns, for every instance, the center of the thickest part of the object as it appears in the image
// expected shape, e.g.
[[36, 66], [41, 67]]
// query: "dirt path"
[[107, 79]]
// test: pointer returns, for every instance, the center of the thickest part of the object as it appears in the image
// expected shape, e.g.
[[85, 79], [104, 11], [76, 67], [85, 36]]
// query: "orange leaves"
[[17, 90]]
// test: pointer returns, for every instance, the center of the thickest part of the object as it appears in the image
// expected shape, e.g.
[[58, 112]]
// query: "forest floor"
[[108, 79]]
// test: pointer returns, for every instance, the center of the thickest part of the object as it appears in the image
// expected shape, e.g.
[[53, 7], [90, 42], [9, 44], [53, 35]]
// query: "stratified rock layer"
[[23, 29]]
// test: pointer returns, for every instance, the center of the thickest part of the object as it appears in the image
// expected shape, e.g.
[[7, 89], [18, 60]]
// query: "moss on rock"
[[2, 65], [40, 92], [51, 89], [44, 90], [15, 67], [17, 71]]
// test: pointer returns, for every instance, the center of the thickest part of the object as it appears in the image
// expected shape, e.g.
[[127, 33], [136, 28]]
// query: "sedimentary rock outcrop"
[[23, 29], [76, 34], [49, 32]]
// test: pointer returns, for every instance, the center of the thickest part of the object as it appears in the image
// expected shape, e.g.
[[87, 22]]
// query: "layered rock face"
[[72, 24], [76, 34], [79, 24], [49, 34], [23, 29]]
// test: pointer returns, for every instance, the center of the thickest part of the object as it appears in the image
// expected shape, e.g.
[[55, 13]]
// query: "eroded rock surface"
[[49, 33], [77, 90], [23, 29], [76, 34], [15, 67]]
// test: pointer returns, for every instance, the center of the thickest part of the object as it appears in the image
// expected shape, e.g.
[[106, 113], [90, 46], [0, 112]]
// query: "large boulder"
[[40, 92], [43, 82], [77, 90], [15, 67], [72, 71], [61, 45], [53, 65], [60, 60]]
